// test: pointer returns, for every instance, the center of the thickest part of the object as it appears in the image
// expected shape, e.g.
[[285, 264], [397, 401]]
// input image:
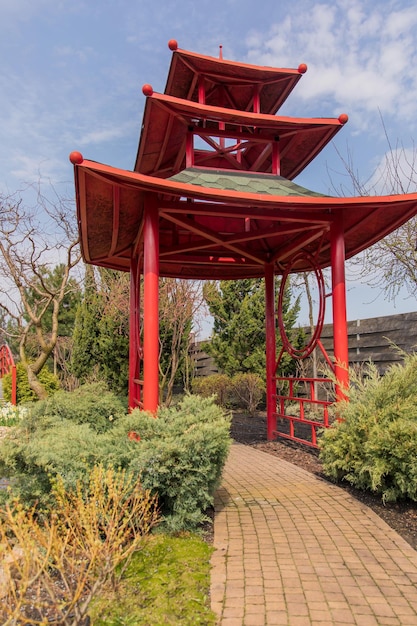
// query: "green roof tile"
[[244, 182]]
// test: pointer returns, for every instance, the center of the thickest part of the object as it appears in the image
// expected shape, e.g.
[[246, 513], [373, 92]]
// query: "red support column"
[[340, 335], [150, 305], [189, 148], [14, 385], [276, 159], [134, 335], [271, 420]]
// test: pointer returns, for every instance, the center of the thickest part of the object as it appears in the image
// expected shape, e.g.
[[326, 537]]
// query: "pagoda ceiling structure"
[[211, 196]]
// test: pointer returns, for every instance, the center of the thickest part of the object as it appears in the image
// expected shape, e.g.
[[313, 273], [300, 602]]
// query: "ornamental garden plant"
[[178, 456], [375, 446], [11, 414], [88, 483]]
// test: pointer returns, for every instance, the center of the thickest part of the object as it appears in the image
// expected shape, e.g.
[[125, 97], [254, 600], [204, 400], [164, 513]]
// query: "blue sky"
[[71, 74]]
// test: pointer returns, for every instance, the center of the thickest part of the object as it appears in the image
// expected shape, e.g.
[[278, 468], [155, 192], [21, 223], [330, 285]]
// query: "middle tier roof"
[[168, 120]]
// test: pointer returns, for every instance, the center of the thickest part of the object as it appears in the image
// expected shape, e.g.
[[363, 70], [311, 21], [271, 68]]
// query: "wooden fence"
[[369, 339]]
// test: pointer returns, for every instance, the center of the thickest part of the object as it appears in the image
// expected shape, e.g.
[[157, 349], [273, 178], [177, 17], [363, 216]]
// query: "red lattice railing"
[[300, 408]]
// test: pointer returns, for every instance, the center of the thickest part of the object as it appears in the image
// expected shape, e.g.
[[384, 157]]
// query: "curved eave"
[[166, 120], [204, 233], [230, 81]]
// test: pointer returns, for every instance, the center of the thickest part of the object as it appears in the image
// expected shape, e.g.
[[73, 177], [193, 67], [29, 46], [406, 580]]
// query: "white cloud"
[[361, 56]]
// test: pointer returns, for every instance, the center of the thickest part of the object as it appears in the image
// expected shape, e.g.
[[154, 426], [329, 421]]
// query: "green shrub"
[[91, 404], [179, 455], [23, 392], [243, 391], [183, 464], [217, 385], [248, 390], [375, 447]]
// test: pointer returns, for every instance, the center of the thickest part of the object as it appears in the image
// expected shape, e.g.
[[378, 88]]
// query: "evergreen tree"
[[85, 354], [101, 333], [238, 341]]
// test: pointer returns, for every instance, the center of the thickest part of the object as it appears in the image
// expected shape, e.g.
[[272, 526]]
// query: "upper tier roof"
[[229, 84]]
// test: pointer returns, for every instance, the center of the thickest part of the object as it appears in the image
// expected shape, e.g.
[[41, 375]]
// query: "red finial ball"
[[147, 90], [76, 158], [302, 68], [173, 44], [343, 118]]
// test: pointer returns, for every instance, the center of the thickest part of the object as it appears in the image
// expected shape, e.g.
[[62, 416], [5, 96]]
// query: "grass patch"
[[166, 582]]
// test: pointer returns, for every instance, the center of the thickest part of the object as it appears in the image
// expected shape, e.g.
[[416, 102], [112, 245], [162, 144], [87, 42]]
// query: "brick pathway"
[[296, 550]]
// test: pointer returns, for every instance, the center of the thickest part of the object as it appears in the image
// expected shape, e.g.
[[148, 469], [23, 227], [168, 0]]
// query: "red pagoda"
[[211, 197]]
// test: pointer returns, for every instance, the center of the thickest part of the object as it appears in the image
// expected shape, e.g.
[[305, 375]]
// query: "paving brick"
[[295, 550]]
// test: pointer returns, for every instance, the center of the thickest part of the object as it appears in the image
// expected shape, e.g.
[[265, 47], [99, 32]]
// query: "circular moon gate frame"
[[302, 353], [294, 424]]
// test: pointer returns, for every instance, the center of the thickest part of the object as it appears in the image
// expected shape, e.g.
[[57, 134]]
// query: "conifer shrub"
[[24, 393], [91, 404], [375, 447], [179, 455]]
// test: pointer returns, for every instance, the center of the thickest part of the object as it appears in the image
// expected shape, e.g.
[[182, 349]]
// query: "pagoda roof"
[[167, 119], [228, 83], [221, 225]]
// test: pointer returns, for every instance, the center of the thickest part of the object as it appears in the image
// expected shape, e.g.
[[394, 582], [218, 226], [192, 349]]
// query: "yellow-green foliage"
[[375, 447], [217, 385], [248, 390], [24, 393], [54, 565]]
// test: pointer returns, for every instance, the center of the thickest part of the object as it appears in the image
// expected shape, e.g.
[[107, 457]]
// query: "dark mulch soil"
[[401, 516]]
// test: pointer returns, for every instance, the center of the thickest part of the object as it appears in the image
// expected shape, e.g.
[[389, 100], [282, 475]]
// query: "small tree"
[[179, 302], [34, 287], [101, 333]]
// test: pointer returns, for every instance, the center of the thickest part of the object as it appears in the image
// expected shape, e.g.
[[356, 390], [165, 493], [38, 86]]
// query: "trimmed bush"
[[248, 390], [184, 460], [375, 447], [23, 392], [179, 455], [242, 391], [217, 385]]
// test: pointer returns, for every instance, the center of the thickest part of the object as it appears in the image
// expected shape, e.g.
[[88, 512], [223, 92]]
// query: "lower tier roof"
[[221, 224]]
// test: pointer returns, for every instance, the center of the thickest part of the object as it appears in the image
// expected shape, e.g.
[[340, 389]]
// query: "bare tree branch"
[[33, 241]]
